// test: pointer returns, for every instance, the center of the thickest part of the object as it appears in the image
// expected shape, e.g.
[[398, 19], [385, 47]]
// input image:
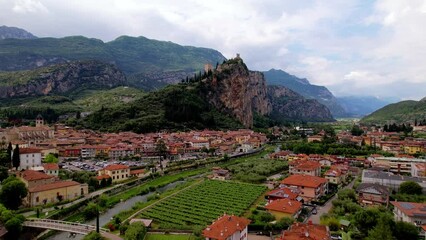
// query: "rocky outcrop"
[[238, 92], [288, 105], [60, 79], [13, 32]]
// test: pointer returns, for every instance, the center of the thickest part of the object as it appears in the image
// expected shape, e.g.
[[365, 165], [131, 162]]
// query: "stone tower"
[[39, 121]]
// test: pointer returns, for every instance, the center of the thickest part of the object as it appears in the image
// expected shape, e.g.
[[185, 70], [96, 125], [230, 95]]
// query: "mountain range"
[[31, 67], [401, 112]]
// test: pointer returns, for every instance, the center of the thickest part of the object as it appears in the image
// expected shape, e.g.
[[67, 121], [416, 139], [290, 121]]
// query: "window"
[[37, 199]]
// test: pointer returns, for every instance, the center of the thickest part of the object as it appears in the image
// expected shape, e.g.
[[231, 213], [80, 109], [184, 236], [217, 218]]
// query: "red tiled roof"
[[137, 171], [51, 166], [284, 205], [305, 231], [29, 150], [31, 175], [103, 176], [411, 209], [284, 193], [304, 180], [116, 167], [333, 173], [54, 185], [225, 227], [306, 165]]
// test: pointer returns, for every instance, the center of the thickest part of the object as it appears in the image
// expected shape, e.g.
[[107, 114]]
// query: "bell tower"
[[39, 121]]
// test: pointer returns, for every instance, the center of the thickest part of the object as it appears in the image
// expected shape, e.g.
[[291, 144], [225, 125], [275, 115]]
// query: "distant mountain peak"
[[14, 32]]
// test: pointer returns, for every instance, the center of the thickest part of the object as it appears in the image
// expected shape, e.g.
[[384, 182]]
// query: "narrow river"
[[105, 217]]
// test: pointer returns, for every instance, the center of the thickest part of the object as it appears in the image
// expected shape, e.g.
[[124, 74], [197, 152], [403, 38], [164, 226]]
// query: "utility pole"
[[97, 221]]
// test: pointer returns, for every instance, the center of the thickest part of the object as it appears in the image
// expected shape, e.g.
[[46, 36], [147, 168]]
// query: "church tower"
[[39, 121]]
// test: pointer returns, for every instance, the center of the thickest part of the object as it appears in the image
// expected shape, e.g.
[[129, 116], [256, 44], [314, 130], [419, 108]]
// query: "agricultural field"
[[201, 204]]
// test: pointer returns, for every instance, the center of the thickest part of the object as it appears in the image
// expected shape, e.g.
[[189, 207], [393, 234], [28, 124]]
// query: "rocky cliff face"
[[289, 105], [13, 32], [61, 78], [236, 91]]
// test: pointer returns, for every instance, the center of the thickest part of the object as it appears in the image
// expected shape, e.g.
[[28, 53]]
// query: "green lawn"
[[152, 236]]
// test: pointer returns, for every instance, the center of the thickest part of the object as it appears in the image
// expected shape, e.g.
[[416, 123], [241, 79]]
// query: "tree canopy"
[[51, 158], [12, 192], [135, 231], [410, 187]]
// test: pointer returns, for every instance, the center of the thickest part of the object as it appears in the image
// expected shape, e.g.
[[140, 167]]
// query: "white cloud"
[[28, 6], [334, 43]]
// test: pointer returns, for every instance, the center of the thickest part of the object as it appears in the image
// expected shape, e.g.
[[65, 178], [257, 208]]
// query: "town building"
[[334, 176], [398, 164], [305, 167], [51, 169], [117, 172], [372, 194], [284, 208], [29, 158], [221, 174], [312, 188], [411, 212], [390, 180], [306, 231], [227, 227], [281, 193]]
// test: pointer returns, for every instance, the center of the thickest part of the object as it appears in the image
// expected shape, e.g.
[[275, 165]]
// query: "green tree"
[[405, 230], [93, 236], [366, 219], [382, 231], [16, 160], [51, 158], [284, 223], [4, 159], [14, 226], [12, 193], [135, 231], [90, 211], [356, 130], [3, 173], [347, 194], [410, 187]]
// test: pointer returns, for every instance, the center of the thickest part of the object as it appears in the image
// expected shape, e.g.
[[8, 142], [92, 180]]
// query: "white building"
[[411, 212], [30, 158]]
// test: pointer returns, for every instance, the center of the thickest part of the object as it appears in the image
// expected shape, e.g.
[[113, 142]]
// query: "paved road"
[[327, 206]]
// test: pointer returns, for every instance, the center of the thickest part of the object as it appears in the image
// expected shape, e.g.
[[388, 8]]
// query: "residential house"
[[305, 167], [281, 193], [284, 208], [306, 231], [117, 172], [315, 138], [33, 178], [418, 170], [372, 194], [227, 227], [334, 176], [221, 174], [51, 169], [398, 164], [411, 212], [30, 158], [312, 187]]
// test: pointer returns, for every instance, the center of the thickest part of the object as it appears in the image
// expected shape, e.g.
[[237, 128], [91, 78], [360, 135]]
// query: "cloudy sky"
[[353, 47]]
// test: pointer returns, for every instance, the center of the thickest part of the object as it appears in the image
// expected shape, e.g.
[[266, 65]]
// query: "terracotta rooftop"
[[53, 185], [306, 165], [291, 194], [116, 167], [305, 231], [51, 166], [284, 205], [225, 227], [411, 209], [304, 180], [31, 175], [137, 171], [103, 176], [29, 150]]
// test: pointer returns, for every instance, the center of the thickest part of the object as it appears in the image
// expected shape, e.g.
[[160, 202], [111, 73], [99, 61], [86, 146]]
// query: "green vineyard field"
[[203, 203]]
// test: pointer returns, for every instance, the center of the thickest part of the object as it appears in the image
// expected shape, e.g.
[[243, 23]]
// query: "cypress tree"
[[16, 161]]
